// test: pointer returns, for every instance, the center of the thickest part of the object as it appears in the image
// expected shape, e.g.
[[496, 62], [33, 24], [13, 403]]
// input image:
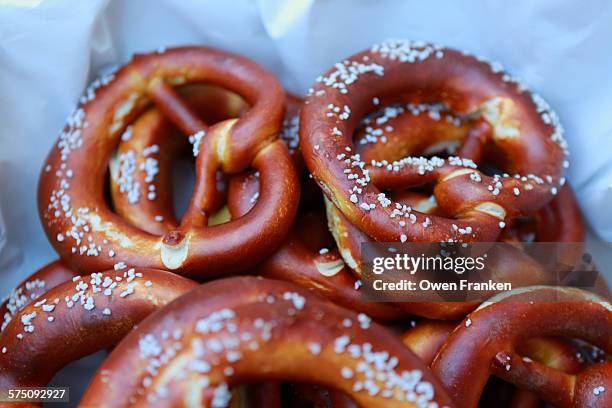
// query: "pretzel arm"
[[78, 318], [173, 106], [46, 278]]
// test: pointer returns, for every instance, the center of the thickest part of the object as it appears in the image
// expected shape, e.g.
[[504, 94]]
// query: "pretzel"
[[521, 124], [427, 337], [486, 343], [87, 234], [78, 318], [47, 277], [245, 328]]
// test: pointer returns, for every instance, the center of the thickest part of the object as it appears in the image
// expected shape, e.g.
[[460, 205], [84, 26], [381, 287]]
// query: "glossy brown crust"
[[486, 343], [395, 132], [465, 85], [46, 278], [553, 352], [147, 152], [407, 129], [258, 329], [155, 144], [559, 221], [428, 336], [308, 257], [85, 231], [66, 325]]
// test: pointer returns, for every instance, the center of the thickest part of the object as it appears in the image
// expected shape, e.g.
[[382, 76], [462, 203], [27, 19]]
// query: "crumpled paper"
[[50, 49]]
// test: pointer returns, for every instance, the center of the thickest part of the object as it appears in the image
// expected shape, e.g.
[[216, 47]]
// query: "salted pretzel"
[[47, 277], [79, 317], [487, 342], [85, 231], [521, 124], [246, 328], [403, 130]]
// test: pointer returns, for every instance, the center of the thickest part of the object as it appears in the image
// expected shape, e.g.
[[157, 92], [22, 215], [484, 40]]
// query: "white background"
[[50, 49]]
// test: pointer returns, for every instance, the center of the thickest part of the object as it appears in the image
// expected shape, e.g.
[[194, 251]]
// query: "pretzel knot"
[[487, 340], [521, 125], [71, 201]]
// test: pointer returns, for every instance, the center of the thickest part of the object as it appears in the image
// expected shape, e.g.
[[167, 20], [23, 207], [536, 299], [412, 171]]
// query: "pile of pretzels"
[[252, 297]]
